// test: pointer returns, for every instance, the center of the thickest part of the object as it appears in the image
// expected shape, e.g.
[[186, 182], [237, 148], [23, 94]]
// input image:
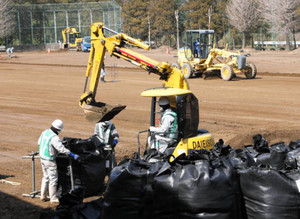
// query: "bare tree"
[[281, 15], [242, 15], [7, 20]]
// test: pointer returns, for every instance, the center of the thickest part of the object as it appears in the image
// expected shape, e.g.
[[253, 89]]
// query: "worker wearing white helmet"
[[49, 146], [167, 133]]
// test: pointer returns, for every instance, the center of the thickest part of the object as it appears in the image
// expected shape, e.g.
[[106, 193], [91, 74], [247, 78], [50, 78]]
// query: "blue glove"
[[75, 156], [115, 142]]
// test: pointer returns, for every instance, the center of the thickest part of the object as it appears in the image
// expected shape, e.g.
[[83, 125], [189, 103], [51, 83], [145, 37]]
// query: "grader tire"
[[176, 64], [227, 72], [187, 70], [251, 71]]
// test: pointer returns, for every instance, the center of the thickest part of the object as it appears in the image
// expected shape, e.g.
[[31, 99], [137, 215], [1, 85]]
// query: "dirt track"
[[41, 89]]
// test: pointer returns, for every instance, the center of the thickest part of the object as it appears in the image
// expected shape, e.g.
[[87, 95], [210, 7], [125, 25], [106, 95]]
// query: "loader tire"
[[187, 70], [251, 71], [176, 64], [227, 72]]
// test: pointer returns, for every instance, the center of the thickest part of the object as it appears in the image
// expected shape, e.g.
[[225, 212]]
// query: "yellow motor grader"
[[199, 57], [174, 86]]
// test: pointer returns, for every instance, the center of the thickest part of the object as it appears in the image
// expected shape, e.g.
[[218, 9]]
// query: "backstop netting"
[[42, 23]]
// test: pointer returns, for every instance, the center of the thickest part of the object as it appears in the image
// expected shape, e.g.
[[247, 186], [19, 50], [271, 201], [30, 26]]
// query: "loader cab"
[[186, 107], [197, 43]]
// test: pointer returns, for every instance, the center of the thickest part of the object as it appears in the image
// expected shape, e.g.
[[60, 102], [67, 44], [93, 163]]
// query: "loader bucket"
[[99, 112]]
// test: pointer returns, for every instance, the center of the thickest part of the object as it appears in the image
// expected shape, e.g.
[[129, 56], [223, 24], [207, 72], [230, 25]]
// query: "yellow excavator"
[[74, 38], [174, 86]]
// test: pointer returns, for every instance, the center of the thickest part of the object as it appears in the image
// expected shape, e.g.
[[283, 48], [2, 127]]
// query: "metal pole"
[[55, 30], [177, 24], [79, 23], [31, 28], [152, 118], [103, 15], [33, 173], [149, 31], [71, 174], [91, 16], [67, 23], [19, 28], [34, 192], [44, 28]]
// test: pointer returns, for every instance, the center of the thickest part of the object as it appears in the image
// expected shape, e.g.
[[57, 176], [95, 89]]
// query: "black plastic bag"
[[278, 156], [269, 194], [197, 188], [129, 192], [294, 144], [260, 144], [293, 158], [241, 159], [88, 173]]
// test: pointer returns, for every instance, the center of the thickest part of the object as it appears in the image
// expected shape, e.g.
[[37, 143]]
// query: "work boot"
[[44, 192], [52, 194], [54, 200]]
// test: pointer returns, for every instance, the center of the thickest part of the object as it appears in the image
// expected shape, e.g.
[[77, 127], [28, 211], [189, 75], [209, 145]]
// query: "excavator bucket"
[[100, 112]]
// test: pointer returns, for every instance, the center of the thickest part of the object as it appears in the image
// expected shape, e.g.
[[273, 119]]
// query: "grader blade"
[[100, 112]]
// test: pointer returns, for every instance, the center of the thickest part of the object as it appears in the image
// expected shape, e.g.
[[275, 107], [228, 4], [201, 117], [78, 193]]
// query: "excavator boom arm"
[[114, 45]]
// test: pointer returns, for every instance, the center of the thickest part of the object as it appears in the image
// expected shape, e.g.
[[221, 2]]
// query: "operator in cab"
[[166, 135]]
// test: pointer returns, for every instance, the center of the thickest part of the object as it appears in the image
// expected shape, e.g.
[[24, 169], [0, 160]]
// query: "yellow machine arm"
[[69, 30], [114, 45]]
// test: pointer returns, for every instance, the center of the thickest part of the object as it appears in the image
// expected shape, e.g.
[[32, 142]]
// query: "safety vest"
[[104, 136], [174, 129], [46, 137]]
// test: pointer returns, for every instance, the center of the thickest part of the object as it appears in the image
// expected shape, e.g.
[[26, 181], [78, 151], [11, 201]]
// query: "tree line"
[[234, 21]]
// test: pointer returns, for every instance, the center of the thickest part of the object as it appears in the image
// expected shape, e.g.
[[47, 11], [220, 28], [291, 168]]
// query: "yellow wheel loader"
[[74, 38], [199, 57], [174, 85]]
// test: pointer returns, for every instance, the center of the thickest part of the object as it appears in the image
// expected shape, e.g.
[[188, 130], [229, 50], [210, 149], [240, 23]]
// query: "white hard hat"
[[58, 124], [163, 101]]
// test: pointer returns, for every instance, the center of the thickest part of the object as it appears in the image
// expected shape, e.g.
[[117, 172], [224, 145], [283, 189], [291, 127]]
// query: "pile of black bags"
[[257, 181], [88, 171]]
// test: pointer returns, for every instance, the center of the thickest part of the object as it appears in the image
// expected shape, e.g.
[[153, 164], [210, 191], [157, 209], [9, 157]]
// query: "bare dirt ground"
[[38, 87]]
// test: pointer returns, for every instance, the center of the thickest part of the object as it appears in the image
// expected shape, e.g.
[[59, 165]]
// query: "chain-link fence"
[[43, 23]]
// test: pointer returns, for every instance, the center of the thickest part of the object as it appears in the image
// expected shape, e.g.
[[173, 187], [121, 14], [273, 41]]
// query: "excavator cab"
[[186, 106]]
